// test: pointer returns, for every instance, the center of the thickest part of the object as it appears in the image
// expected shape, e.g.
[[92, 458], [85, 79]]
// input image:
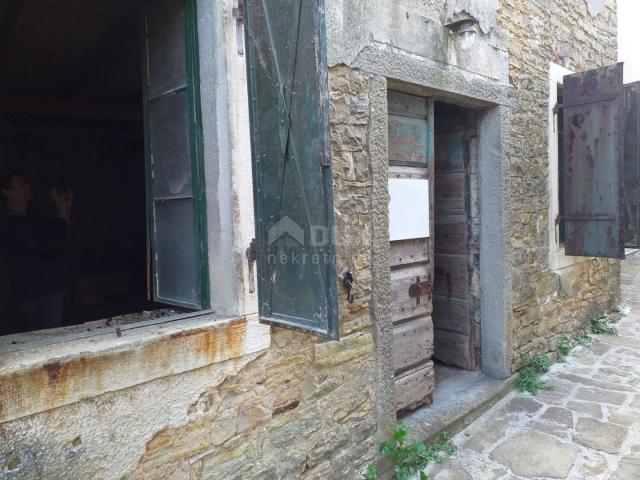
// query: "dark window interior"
[[71, 113]]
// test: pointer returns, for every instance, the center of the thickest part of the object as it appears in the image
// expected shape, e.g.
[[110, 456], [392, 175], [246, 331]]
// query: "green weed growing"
[[563, 348], [409, 458], [600, 326]]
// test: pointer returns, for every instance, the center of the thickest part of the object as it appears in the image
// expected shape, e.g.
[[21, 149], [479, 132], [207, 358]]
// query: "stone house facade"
[[221, 395]]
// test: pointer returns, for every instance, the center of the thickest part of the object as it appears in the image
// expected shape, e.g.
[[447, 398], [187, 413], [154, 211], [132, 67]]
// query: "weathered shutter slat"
[[171, 144], [291, 163], [632, 163], [593, 165]]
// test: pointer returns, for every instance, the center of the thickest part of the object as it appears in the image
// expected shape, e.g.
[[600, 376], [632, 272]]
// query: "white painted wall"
[[628, 40], [227, 152]]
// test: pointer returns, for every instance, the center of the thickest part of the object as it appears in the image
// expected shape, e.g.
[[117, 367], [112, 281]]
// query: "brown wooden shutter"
[[593, 167], [632, 163]]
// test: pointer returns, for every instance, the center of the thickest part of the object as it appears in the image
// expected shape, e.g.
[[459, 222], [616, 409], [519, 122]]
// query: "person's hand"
[[62, 201]]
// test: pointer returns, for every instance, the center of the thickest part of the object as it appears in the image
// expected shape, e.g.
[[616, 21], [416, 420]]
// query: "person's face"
[[19, 191]]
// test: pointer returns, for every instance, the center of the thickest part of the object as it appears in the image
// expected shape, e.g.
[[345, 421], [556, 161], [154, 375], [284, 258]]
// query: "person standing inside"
[[34, 251]]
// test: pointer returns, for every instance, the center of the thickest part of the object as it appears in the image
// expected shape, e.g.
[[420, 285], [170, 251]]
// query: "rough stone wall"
[[304, 408], [546, 303]]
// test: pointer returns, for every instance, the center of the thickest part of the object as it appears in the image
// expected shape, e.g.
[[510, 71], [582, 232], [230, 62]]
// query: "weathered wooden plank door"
[[632, 163], [410, 158], [451, 298]]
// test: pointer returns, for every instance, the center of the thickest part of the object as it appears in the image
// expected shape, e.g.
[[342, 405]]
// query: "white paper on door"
[[408, 208]]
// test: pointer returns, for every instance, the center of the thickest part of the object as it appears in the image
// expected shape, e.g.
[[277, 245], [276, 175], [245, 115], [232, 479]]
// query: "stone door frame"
[[496, 317]]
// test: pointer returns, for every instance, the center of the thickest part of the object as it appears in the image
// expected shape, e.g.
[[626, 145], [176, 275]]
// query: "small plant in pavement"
[[586, 340], [529, 381], [409, 458], [563, 347], [601, 326], [540, 364], [529, 376]]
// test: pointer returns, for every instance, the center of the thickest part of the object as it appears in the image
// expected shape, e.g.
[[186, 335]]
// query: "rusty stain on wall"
[[60, 382]]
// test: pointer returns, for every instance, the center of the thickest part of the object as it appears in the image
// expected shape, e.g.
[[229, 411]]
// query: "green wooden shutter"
[[593, 163], [288, 91], [174, 145]]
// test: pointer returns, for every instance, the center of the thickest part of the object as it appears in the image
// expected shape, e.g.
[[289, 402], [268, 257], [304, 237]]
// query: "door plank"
[[451, 274], [450, 194], [449, 152], [412, 343], [454, 349], [415, 388], [400, 171], [451, 234], [451, 314], [402, 305], [406, 252]]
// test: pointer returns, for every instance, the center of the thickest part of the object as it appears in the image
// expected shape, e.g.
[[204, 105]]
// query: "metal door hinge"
[[238, 14], [252, 256], [252, 252]]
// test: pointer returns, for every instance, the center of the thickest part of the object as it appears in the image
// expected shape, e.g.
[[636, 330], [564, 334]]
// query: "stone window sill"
[[559, 261], [50, 375]]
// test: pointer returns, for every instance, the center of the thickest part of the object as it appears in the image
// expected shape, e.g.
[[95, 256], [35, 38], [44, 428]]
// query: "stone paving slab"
[[588, 427]]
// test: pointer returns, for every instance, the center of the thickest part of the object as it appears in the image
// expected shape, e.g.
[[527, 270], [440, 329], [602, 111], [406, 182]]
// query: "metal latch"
[[252, 256], [419, 289], [347, 282]]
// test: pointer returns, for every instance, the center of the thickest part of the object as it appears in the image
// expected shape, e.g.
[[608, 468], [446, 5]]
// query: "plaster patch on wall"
[[594, 7], [485, 11]]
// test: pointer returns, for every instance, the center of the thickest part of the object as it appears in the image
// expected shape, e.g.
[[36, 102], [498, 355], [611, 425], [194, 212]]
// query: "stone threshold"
[[459, 398]]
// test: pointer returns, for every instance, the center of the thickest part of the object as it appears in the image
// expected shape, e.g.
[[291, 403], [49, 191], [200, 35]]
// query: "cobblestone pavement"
[[588, 427]]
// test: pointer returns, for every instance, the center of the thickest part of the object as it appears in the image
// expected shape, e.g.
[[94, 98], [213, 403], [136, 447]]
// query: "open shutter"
[[288, 92], [593, 166], [173, 139], [632, 163]]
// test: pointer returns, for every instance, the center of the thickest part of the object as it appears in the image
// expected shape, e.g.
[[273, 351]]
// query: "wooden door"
[[451, 298], [410, 158]]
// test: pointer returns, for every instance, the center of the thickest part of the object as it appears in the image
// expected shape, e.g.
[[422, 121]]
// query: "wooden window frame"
[[196, 154]]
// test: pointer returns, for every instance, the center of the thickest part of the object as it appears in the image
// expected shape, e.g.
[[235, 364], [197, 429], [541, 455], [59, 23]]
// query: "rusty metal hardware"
[[252, 255], [347, 281], [252, 252], [238, 13], [421, 288]]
